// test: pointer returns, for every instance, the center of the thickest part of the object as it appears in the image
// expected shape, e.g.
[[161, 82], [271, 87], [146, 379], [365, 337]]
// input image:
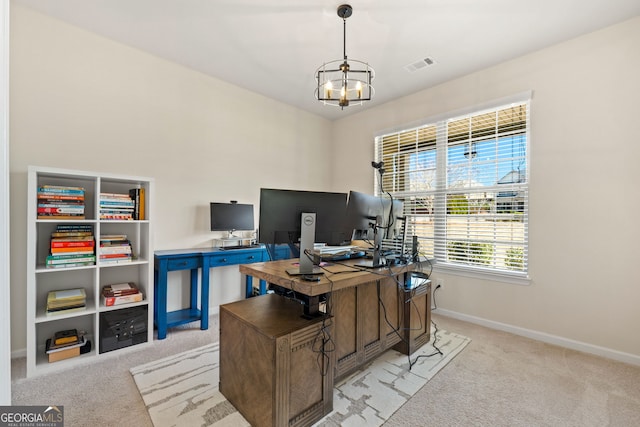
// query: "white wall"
[[79, 101], [585, 145]]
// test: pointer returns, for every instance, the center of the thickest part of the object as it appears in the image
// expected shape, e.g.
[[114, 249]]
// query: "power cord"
[[435, 334], [435, 306], [323, 343], [433, 344], [323, 339]]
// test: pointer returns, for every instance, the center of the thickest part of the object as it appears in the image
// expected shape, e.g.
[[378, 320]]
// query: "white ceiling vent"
[[418, 65]]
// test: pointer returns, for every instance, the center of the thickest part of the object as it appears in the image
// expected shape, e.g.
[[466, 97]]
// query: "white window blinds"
[[464, 184]]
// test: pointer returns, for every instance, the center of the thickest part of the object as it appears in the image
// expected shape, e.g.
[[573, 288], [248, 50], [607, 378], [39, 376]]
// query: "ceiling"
[[274, 47]]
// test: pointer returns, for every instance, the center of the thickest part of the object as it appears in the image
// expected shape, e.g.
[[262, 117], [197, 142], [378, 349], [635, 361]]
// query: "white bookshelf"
[[42, 280]]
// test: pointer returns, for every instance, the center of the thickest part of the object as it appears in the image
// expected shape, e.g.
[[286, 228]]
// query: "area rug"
[[182, 390]]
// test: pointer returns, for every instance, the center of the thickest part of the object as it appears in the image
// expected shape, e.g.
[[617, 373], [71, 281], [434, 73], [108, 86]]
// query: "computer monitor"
[[280, 212], [231, 217], [371, 219], [363, 210], [281, 219]]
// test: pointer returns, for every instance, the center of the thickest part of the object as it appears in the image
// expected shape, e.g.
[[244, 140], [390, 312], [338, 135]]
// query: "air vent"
[[418, 65]]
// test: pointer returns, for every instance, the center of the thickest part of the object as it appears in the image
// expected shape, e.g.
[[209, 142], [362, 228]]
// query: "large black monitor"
[[231, 216], [280, 216]]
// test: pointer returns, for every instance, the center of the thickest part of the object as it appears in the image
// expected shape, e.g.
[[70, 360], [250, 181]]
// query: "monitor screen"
[[231, 216], [280, 215]]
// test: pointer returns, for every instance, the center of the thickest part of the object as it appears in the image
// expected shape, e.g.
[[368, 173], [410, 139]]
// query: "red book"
[[72, 244], [122, 299]]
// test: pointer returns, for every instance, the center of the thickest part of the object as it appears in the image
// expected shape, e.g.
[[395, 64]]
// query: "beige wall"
[[584, 230], [79, 101]]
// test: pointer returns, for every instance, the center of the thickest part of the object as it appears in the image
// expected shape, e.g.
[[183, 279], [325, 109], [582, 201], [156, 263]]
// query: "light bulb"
[[329, 87], [359, 90]]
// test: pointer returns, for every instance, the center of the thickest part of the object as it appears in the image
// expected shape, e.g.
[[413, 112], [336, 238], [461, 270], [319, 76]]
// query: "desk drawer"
[[234, 259], [183, 263]]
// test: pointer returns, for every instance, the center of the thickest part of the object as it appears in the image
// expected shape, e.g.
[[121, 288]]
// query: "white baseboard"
[[19, 353], [544, 337]]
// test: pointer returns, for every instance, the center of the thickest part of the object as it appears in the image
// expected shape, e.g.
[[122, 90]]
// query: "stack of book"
[[115, 249], [66, 301], [120, 293], [65, 344], [60, 202], [72, 245], [116, 206], [138, 197]]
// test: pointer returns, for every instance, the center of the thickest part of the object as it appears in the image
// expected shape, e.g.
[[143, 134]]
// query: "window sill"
[[476, 273]]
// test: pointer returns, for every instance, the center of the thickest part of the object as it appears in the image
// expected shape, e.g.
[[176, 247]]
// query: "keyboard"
[[340, 256], [238, 247]]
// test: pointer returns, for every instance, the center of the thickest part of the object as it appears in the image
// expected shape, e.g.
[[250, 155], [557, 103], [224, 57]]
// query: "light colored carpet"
[[182, 390]]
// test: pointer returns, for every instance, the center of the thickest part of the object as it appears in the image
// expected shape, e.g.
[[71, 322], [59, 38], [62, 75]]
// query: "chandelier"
[[341, 83]]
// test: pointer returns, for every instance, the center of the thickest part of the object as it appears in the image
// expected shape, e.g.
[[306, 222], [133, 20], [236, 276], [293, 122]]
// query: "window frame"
[[440, 214]]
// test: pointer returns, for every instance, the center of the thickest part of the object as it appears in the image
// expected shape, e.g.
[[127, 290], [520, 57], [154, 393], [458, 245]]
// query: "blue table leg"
[[204, 295], [248, 289], [160, 300], [193, 299]]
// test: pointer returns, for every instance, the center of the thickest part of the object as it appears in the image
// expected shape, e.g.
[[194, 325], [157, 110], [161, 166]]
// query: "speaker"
[[123, 328]]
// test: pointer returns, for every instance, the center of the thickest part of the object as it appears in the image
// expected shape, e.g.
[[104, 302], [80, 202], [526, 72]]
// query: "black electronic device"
[[231, 217], [123, 328], [415, 279], [311, 304], [281, 210]]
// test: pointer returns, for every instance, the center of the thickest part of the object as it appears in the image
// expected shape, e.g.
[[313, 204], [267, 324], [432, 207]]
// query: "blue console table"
[[197, 260]]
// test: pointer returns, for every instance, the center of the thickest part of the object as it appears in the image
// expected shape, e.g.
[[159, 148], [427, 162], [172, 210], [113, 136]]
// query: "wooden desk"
[[196, 260], [371, 309]]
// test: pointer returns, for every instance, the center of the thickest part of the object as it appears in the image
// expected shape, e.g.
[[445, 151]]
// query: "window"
[[464, 183]]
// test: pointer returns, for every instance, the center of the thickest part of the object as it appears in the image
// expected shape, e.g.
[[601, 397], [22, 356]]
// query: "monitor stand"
[[377, 261], [307, 239], [297, 271]]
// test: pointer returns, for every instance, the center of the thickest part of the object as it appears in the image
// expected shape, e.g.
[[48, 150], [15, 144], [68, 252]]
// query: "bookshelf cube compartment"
[[57, 280], [135, 273], [44, 331], [88, 183]]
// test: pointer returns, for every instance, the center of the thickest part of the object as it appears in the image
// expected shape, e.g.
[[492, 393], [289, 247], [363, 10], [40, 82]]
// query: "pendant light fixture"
[[341, 82]]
